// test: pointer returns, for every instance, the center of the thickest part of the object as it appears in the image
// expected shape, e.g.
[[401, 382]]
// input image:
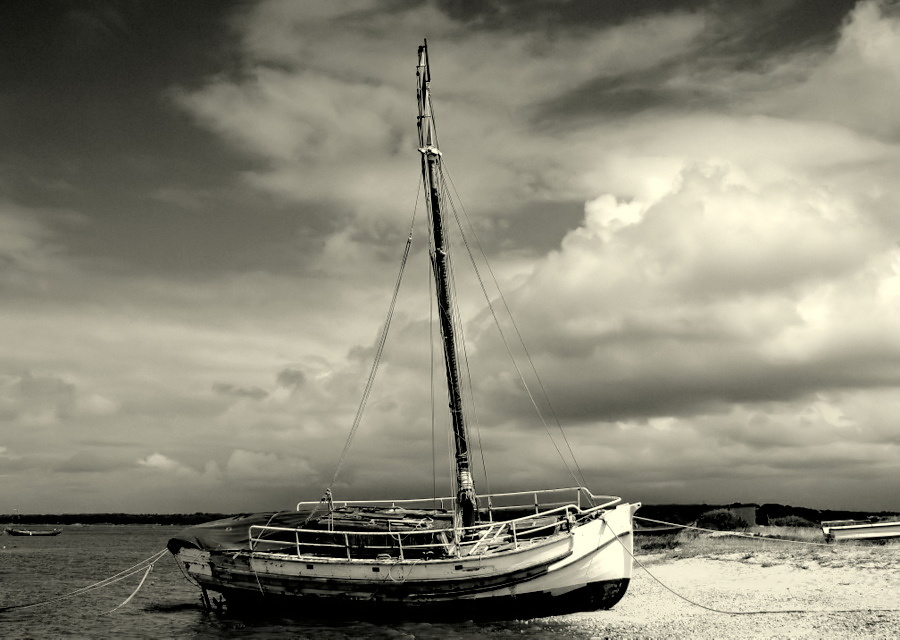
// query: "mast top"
[[427, 133]]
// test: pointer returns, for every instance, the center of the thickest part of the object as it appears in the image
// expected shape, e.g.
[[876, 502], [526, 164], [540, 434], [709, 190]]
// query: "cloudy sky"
[[691, 209]]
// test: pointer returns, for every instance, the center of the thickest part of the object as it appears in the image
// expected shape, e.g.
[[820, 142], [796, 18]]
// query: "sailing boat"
[[504, 554]]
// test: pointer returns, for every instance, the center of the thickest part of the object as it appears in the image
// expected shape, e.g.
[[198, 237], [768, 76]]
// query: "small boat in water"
[[518, 554], [16, 531], [872, 529]]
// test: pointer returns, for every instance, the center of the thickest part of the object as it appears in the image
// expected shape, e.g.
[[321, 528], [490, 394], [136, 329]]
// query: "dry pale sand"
[[811, 592]]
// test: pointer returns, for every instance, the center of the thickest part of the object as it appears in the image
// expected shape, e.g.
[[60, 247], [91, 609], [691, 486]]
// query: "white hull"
[[592, 563]]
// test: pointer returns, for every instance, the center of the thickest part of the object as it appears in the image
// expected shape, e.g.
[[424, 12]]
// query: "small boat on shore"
[[872, 529], [16, 531]]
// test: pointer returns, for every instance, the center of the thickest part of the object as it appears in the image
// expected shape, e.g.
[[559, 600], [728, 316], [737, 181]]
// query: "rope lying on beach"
[[726, 611], [736, 534], [754, 536], [145, 565]]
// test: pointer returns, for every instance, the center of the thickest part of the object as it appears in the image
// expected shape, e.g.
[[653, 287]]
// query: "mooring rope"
[[736, 534], [147, 564], [133, 593], [743, 534], [727, 611]]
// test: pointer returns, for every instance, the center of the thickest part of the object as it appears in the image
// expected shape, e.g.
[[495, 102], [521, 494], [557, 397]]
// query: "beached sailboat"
[[504, 554]]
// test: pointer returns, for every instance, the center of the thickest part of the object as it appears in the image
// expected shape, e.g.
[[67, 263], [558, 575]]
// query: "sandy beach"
[[780, 591]]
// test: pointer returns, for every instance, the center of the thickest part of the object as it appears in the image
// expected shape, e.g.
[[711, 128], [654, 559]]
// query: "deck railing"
[[548, 516], [490, 502]]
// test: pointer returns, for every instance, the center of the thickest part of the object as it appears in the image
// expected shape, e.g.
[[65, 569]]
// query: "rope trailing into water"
[[133, 593], [145, 565], [727, 611]]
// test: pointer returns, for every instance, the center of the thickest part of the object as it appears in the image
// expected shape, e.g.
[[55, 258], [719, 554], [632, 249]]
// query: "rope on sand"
[[146, 565], [737, 534], [754, 536], [726, 611]]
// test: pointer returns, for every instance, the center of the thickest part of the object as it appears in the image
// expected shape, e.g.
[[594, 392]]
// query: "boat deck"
[[405, 530]]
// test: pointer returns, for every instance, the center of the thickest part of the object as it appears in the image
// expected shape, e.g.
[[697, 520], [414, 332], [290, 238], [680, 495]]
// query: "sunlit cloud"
[[693, 221]]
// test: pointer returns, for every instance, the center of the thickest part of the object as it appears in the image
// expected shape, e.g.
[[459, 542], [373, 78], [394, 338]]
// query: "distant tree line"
[[112, 518]]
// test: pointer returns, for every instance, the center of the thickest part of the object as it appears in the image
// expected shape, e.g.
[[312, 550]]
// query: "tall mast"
[[431, 173]]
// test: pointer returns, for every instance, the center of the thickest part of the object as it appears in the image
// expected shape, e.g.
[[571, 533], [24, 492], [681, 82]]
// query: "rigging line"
[[470, 396], [431, 372], [432, 307], [520, 338], [496, 320], [434, 132], [729, 612], [518, 334], [125, 573], [377, 360], [512, 357], [467, 402], [445, 197]]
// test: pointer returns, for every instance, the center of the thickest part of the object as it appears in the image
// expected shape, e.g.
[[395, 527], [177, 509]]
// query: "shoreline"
[[846, 591]]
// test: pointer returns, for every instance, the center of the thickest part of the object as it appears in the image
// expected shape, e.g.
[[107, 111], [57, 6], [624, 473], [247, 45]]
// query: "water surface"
[[168, 606]]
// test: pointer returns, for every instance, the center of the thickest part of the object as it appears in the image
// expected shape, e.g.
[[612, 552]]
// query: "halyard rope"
[[503, 338], [726, 611], [146, 564], [379, 350]]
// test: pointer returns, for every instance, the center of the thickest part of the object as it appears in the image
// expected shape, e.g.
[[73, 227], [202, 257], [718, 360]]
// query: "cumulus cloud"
[[706, 295], [164, 463], [719, 323], [728, 260]]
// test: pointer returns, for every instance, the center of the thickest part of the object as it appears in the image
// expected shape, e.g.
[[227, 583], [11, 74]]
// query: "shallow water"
[[168, 606]]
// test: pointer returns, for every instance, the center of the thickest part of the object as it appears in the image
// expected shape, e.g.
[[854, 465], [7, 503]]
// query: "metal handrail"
[[258, 540], [489, 497], [566, 513]]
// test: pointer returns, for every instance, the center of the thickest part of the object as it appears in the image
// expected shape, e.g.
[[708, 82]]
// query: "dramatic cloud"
[[690, 210]]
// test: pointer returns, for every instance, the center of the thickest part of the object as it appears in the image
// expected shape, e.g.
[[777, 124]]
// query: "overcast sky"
[[691, 208]]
